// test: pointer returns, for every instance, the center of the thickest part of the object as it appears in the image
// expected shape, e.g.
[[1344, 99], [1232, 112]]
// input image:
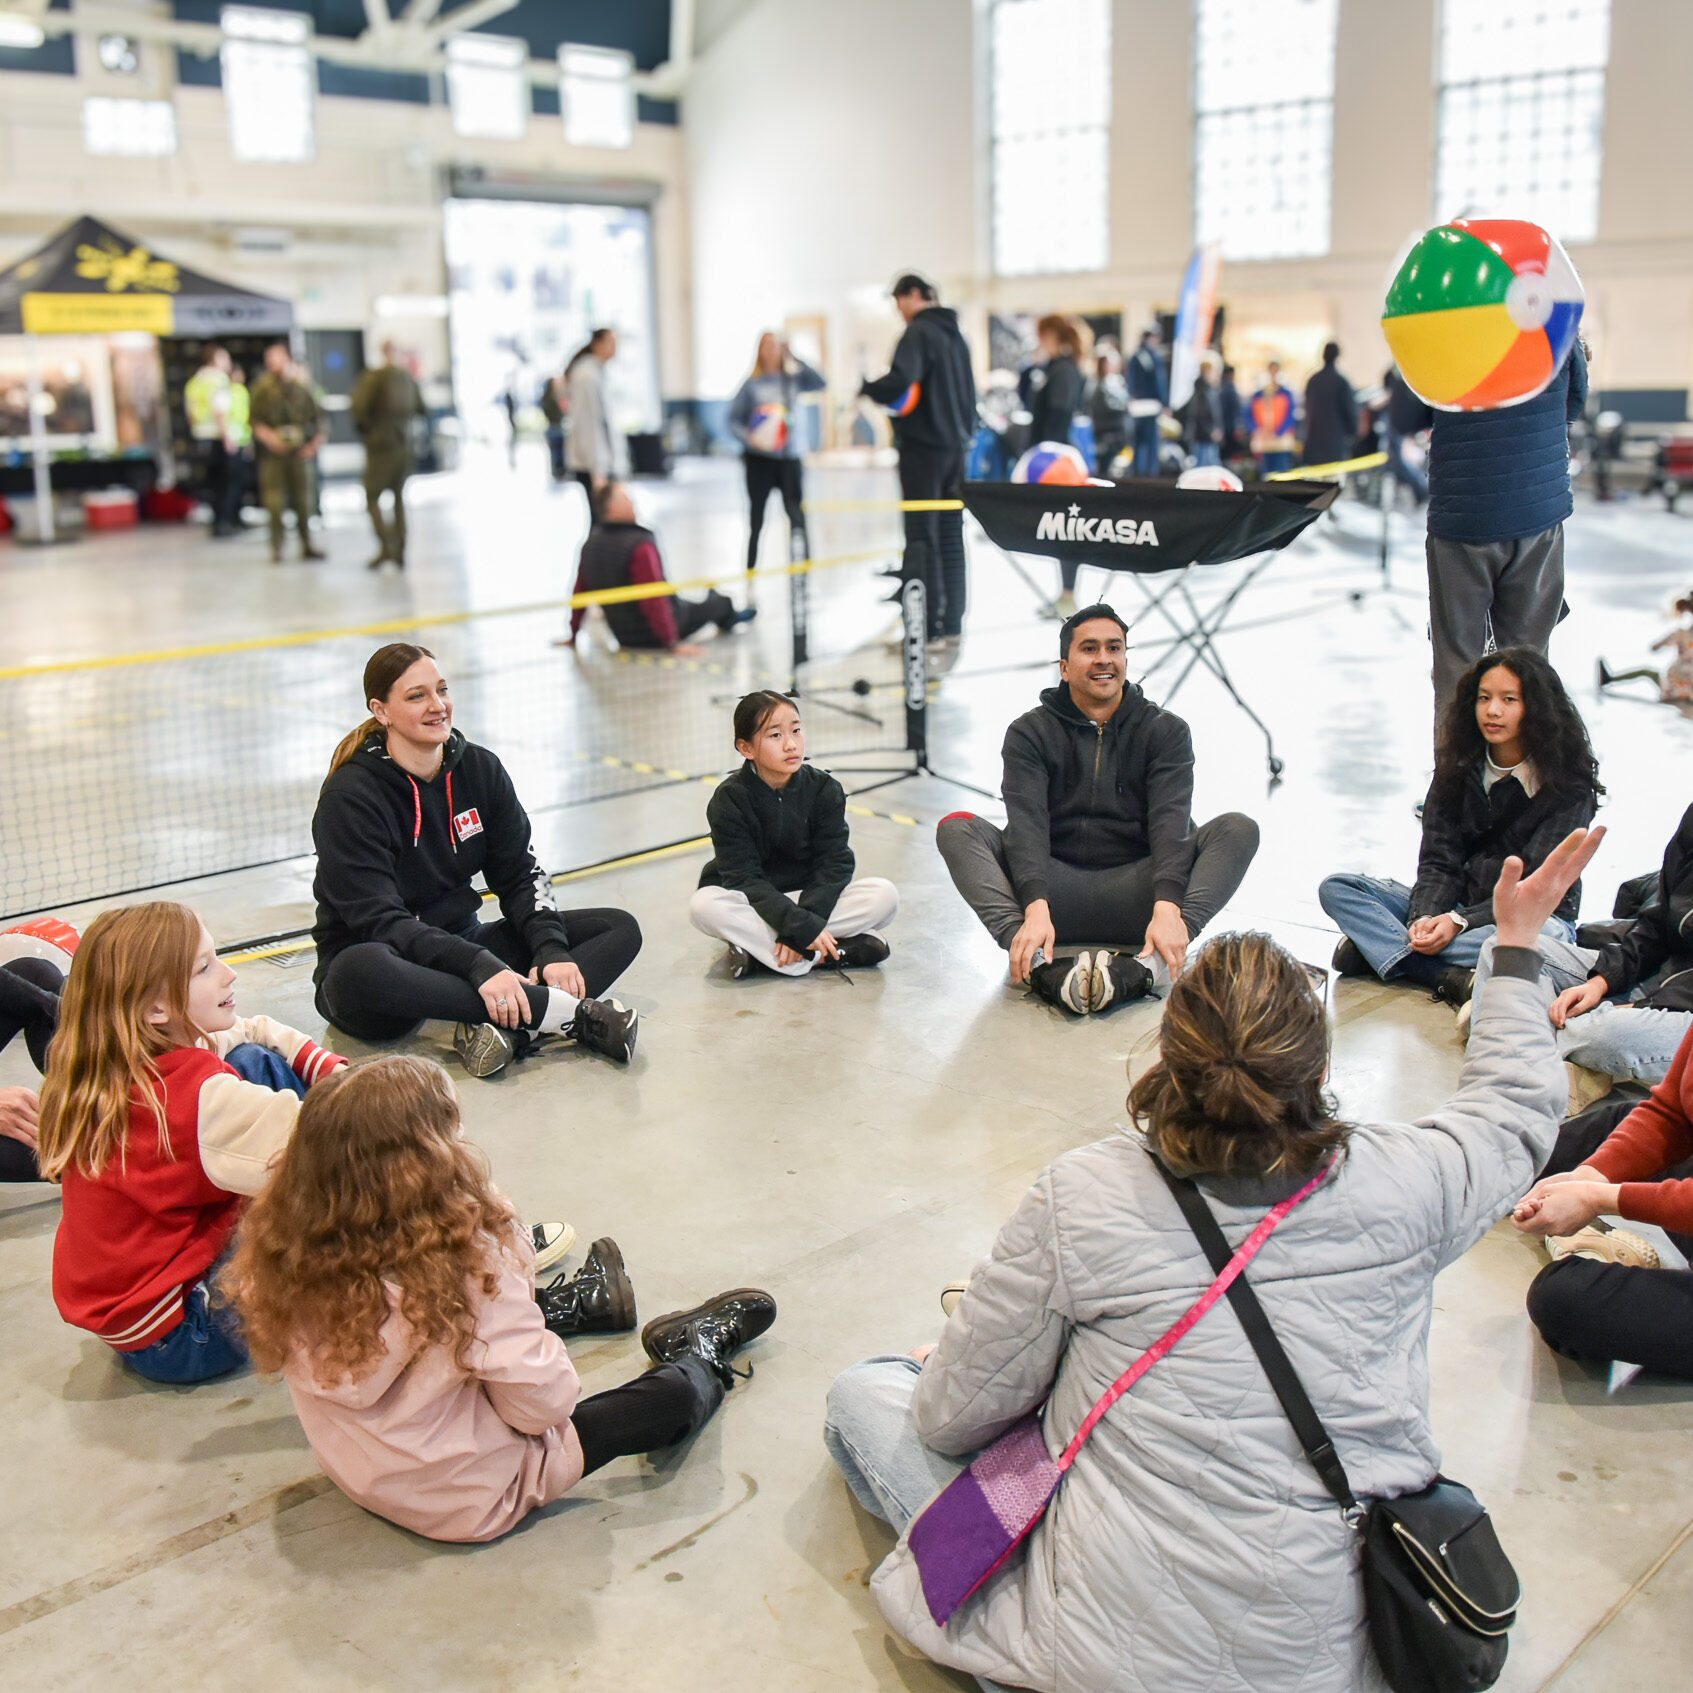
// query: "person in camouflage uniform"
[[289, 426], [385, 400]]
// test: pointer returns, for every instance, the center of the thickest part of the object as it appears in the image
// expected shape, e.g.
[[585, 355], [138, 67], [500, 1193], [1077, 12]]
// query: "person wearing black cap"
[[931, 392], [1099, 843]]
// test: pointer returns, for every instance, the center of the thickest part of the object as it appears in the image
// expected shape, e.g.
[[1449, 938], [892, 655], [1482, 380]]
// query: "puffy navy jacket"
[[1505, 475]]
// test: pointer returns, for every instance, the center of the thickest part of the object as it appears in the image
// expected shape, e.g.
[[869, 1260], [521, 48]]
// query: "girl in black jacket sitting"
[[779, 888], [1514, 774], [410, 812]]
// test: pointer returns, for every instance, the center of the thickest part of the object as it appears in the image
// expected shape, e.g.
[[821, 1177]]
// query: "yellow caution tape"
[[1340, 467]]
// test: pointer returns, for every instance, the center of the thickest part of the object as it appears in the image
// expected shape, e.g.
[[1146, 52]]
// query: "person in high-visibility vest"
[[207, 401], [242, 474]]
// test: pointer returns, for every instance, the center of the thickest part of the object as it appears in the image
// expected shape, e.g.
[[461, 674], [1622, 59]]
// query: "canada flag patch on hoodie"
[[466, 824]]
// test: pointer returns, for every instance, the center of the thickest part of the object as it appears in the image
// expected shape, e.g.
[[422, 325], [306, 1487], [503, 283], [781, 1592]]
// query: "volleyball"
[[1052, 461], [1212, 478], [1482, 313], [907, 402], [768, 430]]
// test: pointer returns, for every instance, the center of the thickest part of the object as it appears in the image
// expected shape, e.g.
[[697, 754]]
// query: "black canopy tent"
[[90, 279], [1147, 528]]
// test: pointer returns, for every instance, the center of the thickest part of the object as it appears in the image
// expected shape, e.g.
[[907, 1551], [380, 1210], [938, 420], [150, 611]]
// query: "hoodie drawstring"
[[416, 812], [452, 825]]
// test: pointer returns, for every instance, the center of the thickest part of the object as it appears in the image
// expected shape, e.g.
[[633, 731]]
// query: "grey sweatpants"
[[1114, 905], [1511, 591]]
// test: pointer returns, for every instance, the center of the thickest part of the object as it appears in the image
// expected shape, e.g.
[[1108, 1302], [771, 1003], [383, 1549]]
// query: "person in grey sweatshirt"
[[764, 418]]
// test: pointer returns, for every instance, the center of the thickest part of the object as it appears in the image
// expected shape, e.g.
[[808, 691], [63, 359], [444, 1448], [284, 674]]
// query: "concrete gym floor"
[[851, 1148]]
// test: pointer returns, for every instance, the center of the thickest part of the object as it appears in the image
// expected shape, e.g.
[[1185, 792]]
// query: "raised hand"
[[1522, 905]]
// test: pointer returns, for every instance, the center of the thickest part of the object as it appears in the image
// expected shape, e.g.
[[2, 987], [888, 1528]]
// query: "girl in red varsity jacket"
[[161, 1112]]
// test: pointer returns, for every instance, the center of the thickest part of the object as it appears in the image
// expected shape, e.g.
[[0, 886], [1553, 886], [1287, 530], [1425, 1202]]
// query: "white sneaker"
[[485, 1048], [553, 1242], [951, 1296], [1611, 1246]]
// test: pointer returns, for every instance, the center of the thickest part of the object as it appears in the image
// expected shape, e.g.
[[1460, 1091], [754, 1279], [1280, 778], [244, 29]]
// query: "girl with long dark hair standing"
[[410, 813], [1514, 774]]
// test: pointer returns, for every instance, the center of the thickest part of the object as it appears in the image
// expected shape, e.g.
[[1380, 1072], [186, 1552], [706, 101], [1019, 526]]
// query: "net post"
[[799, 605], [913, 601]]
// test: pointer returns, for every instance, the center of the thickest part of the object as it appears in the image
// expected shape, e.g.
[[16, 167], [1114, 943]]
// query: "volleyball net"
[[130, 773]]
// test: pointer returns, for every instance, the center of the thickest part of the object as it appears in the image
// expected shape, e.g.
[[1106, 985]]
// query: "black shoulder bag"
[[1440, 1593]]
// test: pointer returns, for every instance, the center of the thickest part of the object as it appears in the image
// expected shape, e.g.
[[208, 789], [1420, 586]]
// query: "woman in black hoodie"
[[410, 813], [1514, 774], [779, 888]]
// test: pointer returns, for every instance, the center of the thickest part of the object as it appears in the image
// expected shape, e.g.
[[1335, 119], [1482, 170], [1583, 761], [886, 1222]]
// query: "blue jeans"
[[1145, 432], [1632, 1042], [868, 1431], [206, 1343], [1205, 453], [1269, 464], [269, 1069], [1372, 912]]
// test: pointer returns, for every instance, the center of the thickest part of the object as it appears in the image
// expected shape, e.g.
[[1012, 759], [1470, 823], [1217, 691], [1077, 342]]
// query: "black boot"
[[596, 1300], [860, 952], [1349, 961], [713, 1332], [1455, 986]]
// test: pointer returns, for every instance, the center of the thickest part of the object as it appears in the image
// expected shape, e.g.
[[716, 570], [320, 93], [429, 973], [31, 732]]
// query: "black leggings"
[[766, 476], [1600, 1312], [370, 992], [934, 540], [657, 1409], [29, 1003]]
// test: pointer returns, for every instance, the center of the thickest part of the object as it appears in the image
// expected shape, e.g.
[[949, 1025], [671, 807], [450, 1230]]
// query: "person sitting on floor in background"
[[35, 958], [1099, 843], [1603, 1297], [1193, 1545], [1624, 1009], [1514, 773], [161, 1109], [410, 813], [620, 553], [779, 888], [386, 1279]]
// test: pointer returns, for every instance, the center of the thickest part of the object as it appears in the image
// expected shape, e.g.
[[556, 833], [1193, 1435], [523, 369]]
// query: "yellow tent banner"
[[97, 314]]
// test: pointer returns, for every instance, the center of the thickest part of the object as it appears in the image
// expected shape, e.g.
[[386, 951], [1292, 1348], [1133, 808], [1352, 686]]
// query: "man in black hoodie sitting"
[[932, 393], [1099, 843]]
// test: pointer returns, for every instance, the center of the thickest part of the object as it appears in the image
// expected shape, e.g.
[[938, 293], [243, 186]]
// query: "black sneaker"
[[606, 1026], [1066, 983], [741, 963], [1118, 979], [713, 1332], [598, 1299], [1348, 960], [863, 952], [1455, 987], [485, 1048]]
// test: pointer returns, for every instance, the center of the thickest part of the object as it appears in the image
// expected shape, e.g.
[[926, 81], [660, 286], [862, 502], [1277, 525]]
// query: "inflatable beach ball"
[[907, 402], [1482, 313], [768, 430], [43, 937], [1052, 461]]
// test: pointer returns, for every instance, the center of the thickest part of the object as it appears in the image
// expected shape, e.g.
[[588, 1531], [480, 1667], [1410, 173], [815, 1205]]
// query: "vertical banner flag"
[[1194, 312]]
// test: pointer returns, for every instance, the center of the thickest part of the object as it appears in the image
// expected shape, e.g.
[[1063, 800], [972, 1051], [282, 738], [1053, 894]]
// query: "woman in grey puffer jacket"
[[1191, 1548]]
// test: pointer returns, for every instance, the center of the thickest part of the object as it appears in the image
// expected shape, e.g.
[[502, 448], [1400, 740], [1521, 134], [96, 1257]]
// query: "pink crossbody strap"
[[1247, 1251]]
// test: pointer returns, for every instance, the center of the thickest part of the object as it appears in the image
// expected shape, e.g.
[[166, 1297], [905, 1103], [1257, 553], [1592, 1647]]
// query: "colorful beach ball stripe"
[[1482, 313]]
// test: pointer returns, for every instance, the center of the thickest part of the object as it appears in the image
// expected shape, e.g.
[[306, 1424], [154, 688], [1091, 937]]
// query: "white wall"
[[830, 145], [829, 148], [362, 220]]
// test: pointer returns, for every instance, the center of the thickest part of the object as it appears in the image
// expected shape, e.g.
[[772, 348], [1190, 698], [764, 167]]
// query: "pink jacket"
[[446, 1454]]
